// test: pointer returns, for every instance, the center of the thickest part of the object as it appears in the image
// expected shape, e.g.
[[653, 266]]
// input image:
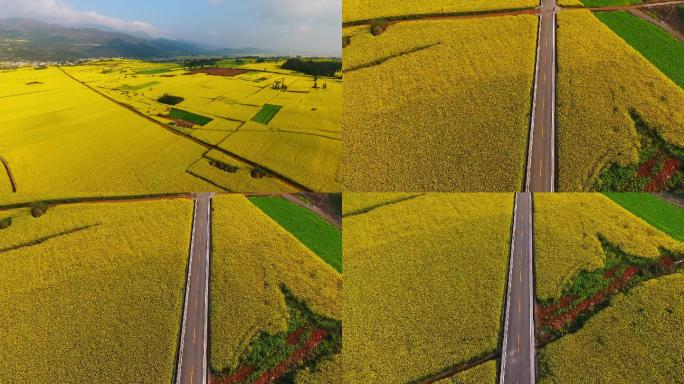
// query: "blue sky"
[[291, 26]]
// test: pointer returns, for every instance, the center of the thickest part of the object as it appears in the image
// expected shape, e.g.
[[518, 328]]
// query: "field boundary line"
[[380, 205], [96, 200], [446, 15], [502, 374], [185, 299], [625, 7], [388, 58], [534, 107], [530, 274], [277, 175], [458, 368], [43, 239], [13, 182]]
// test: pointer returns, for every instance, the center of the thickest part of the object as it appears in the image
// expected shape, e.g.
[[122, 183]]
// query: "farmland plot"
[[297, 134], [93, 292], [266, 287], [615, 109], [424, 285], [59, 136], [356, 10], [636, 339], [568, 232], [457, 121]]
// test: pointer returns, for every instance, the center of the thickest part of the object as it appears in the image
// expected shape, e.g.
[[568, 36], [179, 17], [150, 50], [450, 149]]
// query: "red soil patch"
[[558, 321], [242, 374], [293, 338], [225, 72], [646, 167], [183, 123], [659, 181], [239, 376]]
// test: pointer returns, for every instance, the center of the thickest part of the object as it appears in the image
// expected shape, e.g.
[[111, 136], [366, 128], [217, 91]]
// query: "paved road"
[[518, 356], [541, 158], [192, 357]]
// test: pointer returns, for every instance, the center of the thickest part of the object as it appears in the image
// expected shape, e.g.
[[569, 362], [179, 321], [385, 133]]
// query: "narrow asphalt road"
[[192, 355], [518, 353], [541, 158]]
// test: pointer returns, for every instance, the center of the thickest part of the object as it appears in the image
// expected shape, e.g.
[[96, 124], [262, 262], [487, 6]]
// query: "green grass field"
[[267, 113], [606, 3], [658, 46], [654, 210], [138, 87], [189, 116], [156, 71], [93, 293], [321, 237]]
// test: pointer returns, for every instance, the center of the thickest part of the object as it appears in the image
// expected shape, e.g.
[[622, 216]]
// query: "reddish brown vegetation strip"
[[659, 181], [225, 72], [273, 374], [9, 174]]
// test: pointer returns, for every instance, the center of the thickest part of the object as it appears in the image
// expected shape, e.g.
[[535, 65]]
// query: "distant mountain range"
[[28, 39]]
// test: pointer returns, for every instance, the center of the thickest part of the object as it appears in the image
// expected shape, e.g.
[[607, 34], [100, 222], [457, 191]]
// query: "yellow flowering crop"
[[600, 79], [637, 339], [107, 282], [424, 284], [566, 240], [355, 10], [251, 257], [446, 110]]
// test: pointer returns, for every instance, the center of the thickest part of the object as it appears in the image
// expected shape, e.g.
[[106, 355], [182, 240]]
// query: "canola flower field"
[[637, 338], [567, 229], [358, 10], [106, 281], [252, 258], [437, 105], [59, 135], [485, 373], [602, 82], [424, 284], [301, 139]]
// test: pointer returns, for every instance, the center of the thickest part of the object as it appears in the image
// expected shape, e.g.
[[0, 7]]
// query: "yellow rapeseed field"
[[447, 117], [600, 79], [424, 285], [355, 10], [106, 282], [58, 136], [302, 141], [485, 373], [567, 227], [637, 339], [251, 257], [328, 372]]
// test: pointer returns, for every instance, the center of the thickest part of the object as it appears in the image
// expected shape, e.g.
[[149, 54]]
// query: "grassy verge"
[[313, 231]]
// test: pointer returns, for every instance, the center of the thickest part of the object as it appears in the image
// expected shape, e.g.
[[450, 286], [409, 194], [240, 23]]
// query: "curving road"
[[192, 353], [541, 152], [518, 353]]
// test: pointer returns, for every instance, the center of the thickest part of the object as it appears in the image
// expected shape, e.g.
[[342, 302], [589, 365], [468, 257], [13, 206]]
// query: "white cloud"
[[301, 11], [61, 12]]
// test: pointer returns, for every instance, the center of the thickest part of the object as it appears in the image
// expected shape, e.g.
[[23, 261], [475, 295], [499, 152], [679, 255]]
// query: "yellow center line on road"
[[541, 162], [519, 306], [194, 333], [520, 276], [195, 303], [192, 370], [542, 129], [517, 343]]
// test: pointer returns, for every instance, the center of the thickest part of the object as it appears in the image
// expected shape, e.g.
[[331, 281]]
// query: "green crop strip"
[[654, 210], [137, 87], [313, 231], [189, 116], [655, 44], [267, 113]]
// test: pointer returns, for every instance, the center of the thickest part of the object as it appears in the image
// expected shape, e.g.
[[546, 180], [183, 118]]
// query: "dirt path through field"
[[235, 156], [9, 174], [644, 16], [627, 7], [312, 208], [99, 200], [445, 16]]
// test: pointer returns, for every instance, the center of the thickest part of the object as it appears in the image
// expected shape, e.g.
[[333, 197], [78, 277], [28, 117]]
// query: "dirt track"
[[9, 174]]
